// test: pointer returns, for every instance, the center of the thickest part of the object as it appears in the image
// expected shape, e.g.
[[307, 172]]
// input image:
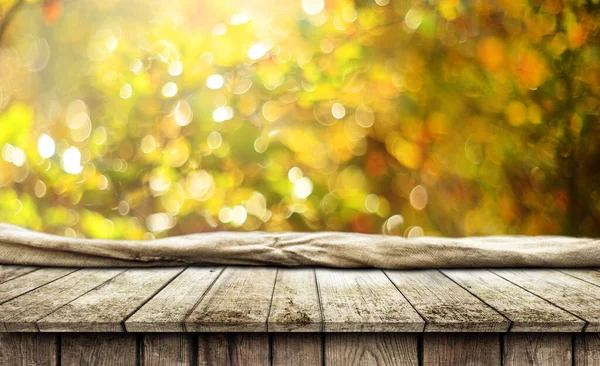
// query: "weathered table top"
[[261, 299]]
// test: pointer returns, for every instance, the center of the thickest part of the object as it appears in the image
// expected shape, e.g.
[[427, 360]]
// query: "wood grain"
[[449, 349], [233, 349], [297, 349], [295, 304], [26, 349], [537, 349], [106, 307], [20, 285], [446, 306], [168, 349], [20, 314], [587, 349], [366, 349], [569, 293], [527, 312], [167, 310], [98, 349], [238, 301], [364, 301], [10, 272]]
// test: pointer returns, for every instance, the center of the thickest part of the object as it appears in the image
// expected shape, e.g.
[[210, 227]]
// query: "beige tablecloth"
[[328, 249]]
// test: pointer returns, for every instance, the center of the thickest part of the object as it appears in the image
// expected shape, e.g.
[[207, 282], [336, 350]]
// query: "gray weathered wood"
[[93, 349], [295, 304], [297, 349], [587, 349], [105, 308], [537, 349], [234, 349], [10, 272], [26, 349], [238, 301], [21, 313], [167, 349], [364, 301], [446, 306], [569, 293], [587, 275], [527, 312], [20, 285], [366, 349], [167, 310], [449, 349]]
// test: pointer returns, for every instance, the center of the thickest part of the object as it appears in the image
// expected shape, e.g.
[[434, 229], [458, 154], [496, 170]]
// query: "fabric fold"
[[20, 246]]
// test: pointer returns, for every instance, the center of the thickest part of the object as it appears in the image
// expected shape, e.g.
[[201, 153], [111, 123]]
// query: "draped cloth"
[[328, 249]]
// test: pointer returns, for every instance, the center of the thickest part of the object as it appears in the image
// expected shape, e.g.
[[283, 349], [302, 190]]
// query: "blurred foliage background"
[[140, 119]]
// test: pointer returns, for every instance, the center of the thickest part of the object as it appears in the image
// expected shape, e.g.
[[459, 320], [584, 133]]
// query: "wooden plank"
[[367, 349], [8, 272], [569, 293], [238, 301], [537, 349], [295, 304], [297, 349], [440, 349], [527, 312], [26, 349], [234, 349], [587, 349], [587, 275], [20, 314], [167, 310], [20, 285], [364, 301], [166, 349], [105, 308], [446, 306], [98, 349]]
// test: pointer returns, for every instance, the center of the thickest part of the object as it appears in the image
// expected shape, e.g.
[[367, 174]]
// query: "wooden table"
[[305, 316]]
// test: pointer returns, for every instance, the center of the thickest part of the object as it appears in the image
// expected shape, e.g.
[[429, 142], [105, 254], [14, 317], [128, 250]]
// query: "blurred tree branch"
[[8, 16]]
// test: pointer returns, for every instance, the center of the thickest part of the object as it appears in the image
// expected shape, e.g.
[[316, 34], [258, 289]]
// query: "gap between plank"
[[510, 322], [21, 275], [585, 322], [70, 301], [425, 320], [187, 315], [33, 289], [122, 322], [271, 302]]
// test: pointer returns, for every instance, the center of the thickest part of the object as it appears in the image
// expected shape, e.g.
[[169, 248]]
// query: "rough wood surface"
[[267, 299], [167, 310], [538, 349], [27, 349], [20, 285], [527, 312], [297, 349], [364, 301], [295, 305], [98, 349], [370, 349], [448, 349], [21, 313], [587, 349], [569, 293], [238, 301], [168, 349], [10, 272], [233, 349], [106, 307], [446, 306]]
